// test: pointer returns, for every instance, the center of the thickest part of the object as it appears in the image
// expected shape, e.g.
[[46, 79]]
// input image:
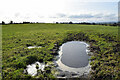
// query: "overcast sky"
[[59, 10]]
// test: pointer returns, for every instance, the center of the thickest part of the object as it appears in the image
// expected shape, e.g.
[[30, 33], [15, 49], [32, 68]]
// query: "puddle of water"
[[32, 70], [30, 47], [73, 57], [74, 54]]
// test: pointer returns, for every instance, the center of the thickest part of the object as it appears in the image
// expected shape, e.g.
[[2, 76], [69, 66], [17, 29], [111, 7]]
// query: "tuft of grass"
[[16, 56]]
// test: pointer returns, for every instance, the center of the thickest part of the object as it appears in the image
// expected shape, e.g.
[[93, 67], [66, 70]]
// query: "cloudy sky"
[[59, 10]]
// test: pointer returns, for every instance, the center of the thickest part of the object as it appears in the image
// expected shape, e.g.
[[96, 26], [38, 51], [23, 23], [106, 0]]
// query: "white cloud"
[[52, 10], [91, 17]]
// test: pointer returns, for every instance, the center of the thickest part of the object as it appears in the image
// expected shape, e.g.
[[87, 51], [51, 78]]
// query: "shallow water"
[[74, 54], [32, 70], [30, 47], [72, 60]]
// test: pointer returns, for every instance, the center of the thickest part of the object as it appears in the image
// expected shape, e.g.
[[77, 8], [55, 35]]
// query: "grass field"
[[17, 37]]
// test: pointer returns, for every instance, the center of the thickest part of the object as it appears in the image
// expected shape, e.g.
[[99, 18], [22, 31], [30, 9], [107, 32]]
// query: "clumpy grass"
[[16, 56]]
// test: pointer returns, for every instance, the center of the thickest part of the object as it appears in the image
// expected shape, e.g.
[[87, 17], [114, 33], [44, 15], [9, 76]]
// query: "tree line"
[[86, 23]]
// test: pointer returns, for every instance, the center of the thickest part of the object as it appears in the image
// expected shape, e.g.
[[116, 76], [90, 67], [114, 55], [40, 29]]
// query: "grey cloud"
[[58, 15], [98, 16], [81, 16], [110, 15], [41, 16], [61, 15], [17, 14], [53, 17]]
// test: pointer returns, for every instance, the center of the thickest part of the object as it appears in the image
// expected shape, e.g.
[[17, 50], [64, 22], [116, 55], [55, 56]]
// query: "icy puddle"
[[73, 57]]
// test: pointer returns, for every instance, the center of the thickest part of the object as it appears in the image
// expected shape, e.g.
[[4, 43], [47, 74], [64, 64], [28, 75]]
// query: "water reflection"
[[74, 54], [73, 59]]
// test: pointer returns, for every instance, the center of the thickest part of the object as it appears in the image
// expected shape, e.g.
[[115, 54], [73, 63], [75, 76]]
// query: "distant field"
[[16, 56]]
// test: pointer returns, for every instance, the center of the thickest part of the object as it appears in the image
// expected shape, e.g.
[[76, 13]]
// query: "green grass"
[[16, 56]]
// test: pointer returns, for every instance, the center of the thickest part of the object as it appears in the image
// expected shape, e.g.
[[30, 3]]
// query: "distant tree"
[[26, 22], [93, 23], [106, 24], [56, 22], [113, 24], [37, 22], [70, 22], [85, 23], [119, 23], [3, 22], [11, 22]]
